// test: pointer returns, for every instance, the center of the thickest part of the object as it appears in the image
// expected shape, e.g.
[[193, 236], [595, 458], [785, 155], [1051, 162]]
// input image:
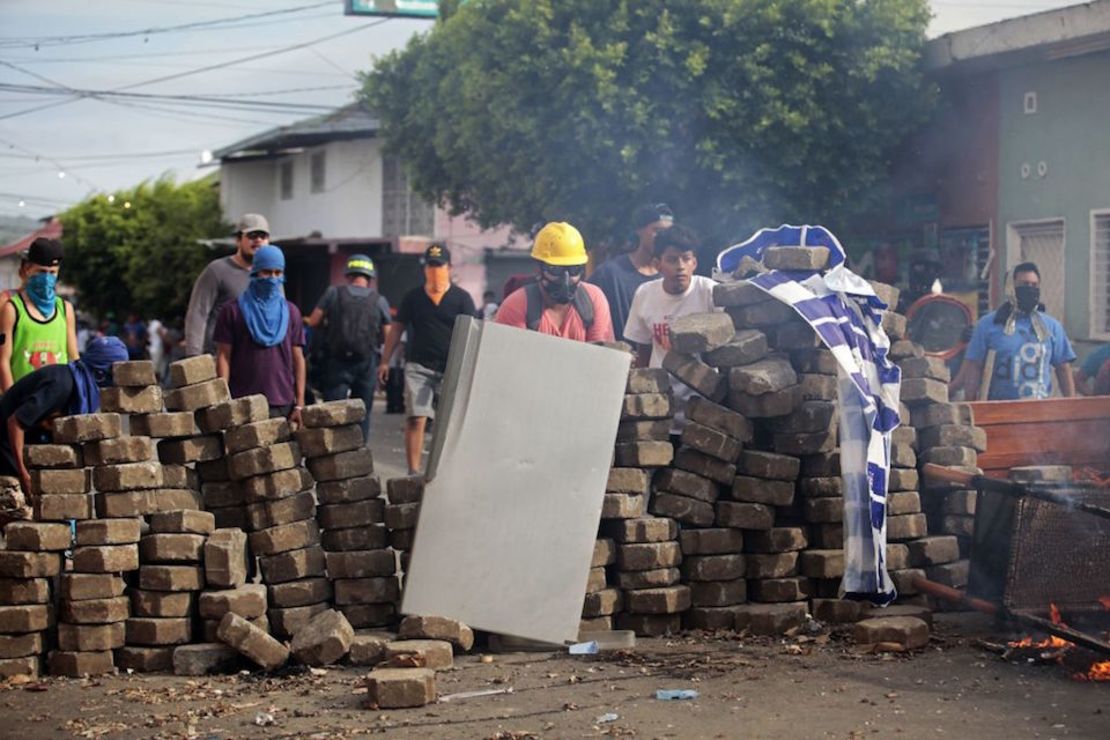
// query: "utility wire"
[[95, 157], [253, 57], [143, 55], [60, 167], [203, 101], [36, 42], [200, 70]]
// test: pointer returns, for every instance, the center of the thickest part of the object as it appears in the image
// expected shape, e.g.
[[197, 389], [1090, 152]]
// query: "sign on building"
[[402, 8]]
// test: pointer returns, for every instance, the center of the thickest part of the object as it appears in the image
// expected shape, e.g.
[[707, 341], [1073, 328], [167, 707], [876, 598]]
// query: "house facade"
[[1016, 167], [329, 190]]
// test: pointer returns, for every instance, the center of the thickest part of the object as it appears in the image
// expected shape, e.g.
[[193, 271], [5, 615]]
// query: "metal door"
[[1043, 244]]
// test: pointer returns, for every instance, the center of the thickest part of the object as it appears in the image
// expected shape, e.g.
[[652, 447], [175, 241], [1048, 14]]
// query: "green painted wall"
[[1071, 133]]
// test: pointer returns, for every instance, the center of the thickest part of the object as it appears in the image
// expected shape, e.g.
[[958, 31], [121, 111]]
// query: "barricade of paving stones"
[[739, 524], [196, 544], [351, 513], [736, 525]]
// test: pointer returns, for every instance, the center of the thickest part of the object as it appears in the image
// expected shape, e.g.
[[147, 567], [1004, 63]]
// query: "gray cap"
[[252, 222]]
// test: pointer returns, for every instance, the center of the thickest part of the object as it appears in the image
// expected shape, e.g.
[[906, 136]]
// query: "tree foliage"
[[145, 257], [737, 113]]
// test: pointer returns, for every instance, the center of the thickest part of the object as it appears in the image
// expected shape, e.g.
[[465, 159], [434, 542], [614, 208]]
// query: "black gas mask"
[[560, 283], [1028, 297]]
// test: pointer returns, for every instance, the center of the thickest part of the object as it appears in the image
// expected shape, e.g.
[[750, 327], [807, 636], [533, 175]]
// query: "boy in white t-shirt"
[[656, 303]]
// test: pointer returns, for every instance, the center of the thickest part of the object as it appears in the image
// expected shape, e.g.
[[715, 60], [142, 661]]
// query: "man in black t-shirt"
[[428, 312]]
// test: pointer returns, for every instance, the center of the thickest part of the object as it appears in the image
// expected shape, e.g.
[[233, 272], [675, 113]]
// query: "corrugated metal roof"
[[51, 229], [349, 122]]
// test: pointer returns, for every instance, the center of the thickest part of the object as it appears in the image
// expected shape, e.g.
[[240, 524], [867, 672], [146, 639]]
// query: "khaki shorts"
[[421, 390]]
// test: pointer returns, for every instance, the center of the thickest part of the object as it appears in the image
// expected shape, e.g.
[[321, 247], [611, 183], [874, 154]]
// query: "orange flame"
[[1097, 672], [1051, 641]]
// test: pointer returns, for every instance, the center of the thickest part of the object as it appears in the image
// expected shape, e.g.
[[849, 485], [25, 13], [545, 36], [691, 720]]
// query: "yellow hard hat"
[[560, 244]]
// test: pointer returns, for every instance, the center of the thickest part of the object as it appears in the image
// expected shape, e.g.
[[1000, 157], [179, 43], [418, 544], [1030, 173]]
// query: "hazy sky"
[[102, 45]]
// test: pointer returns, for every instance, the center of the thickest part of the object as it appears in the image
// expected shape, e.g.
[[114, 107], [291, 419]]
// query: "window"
[[403, 212], [1100, 275], [286, 180], [317, 171]]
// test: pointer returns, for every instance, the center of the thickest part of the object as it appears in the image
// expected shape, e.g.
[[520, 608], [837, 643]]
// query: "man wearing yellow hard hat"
[[559, 302]]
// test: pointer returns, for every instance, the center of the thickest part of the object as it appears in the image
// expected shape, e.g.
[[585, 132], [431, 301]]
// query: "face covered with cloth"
[[93, 371], [263, 302]]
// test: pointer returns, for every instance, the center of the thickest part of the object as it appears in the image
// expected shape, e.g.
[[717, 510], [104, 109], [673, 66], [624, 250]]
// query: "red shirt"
[[514, 312]]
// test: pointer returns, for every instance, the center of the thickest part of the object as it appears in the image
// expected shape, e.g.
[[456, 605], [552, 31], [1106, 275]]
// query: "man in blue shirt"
[[1086, 380], [1022, 344]]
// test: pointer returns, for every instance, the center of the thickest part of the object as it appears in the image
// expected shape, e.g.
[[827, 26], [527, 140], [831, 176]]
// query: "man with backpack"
[[558, 302], [349, 319]]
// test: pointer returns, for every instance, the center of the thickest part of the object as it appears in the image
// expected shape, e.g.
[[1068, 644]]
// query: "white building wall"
[[348, 207], [9, 272]]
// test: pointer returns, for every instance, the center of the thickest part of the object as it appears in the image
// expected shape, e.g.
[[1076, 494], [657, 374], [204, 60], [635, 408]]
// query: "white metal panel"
[[518, 470]]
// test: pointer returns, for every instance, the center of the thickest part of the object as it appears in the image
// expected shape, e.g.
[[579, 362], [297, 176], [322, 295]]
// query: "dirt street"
[[747, 688]]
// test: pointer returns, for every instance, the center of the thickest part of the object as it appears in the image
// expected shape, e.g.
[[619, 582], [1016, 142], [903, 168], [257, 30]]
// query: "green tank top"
[[37, 343]]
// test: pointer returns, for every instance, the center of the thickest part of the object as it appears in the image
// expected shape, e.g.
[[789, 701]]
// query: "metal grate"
[[1058, 555], [1100, 276]]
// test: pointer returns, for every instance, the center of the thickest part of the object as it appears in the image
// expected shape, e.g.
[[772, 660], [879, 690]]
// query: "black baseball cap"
[[45, 252], [650, 213], [437, 254]]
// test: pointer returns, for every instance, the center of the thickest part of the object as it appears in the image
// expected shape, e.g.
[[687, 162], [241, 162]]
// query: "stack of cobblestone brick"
[[190, 457], [226, 569], [642, 590], [643, 435], [402, 512], [605, 555], [427, 641], [360, 565], [93, 608], [276, 491], [947, 436], [31, 558], [163, 606], [91, 604], [785, 384]]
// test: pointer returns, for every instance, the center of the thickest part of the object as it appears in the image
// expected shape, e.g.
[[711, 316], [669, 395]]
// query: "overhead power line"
[[254, 57], [21, 42], [96, 157], [188, 73], [214, 102]]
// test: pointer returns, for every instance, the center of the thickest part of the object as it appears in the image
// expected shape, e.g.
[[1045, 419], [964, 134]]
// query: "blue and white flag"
[[846, 314], [783, 236]]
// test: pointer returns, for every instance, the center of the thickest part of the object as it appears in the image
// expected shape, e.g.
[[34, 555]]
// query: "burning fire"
[[1096, 672]]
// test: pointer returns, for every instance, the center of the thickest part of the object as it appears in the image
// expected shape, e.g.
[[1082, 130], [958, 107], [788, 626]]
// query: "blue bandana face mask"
[[41, 288], [266, 288], [265, 311]]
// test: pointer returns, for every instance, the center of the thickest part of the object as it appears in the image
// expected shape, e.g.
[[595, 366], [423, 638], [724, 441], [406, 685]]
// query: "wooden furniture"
[[1057, 431]]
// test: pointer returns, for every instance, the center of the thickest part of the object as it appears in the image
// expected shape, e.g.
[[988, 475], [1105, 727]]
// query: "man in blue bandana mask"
[[260, 339], [28, 409]]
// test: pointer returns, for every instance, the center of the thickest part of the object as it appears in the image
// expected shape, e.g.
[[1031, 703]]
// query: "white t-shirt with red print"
[[649, 323]]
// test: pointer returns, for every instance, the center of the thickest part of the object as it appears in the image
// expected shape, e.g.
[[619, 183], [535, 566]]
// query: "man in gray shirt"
[[222, 281]]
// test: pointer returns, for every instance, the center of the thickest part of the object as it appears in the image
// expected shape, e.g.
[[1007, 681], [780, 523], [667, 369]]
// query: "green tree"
[[738, 113], [142, 250]]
